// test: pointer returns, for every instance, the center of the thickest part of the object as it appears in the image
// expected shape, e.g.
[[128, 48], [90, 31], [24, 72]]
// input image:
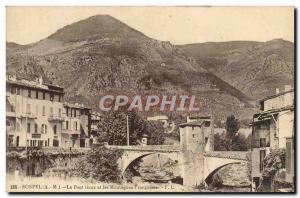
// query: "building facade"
[[33, 113], [37, 116], [76, 126], [271, 128], [196, 137]]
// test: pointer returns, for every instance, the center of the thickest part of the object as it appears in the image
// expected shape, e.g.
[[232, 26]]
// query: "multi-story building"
[[95, 118], [76, 126], [271, 128], [197, 131], [33, 112], [196, 137]]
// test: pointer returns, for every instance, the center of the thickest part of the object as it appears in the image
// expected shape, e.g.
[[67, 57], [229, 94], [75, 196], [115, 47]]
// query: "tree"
[[221, 142], [232, 126], [232, 140], [100, 164], [272, 163], [113, 129], [239, 143]]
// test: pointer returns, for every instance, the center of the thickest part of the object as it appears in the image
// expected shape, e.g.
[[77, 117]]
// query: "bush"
[[100, 164]]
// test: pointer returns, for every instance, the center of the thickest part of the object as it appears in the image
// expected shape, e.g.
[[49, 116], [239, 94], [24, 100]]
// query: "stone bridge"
[[196, 168]]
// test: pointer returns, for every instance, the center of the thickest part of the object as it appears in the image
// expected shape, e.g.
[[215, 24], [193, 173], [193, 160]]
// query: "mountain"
[[102, 55], [255, 68]]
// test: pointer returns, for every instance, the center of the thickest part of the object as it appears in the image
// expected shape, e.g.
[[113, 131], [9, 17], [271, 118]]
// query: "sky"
[[179, 25]]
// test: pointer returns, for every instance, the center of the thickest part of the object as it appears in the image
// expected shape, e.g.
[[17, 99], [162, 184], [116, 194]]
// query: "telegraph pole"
[[127, 131]]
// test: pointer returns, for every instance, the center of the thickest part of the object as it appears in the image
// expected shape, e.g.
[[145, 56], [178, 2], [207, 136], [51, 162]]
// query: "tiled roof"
[[276, 95], [195, 123]]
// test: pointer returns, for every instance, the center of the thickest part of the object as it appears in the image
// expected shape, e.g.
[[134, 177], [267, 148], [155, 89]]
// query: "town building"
[[33, 113], [76, 126], [273, 128], [196, 138], [95, 119], [290, 161], [161, 118], [196, 132]]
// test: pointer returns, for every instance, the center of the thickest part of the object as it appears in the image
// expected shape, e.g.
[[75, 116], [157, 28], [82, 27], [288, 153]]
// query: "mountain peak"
[[95, 27]]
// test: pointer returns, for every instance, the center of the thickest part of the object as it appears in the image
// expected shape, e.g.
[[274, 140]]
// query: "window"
[[206, 140], [262, 142], [28, 109], [67, 125], [262, 156], [74, 112], [44, 128], [28, 127], [44, 111], [59, 112], [194, 135], [37, 94], [51, 96], [18, 126], [37, 110], [67, 111], [44, 95], [55, 143], [71, 112], [207, 124], [12, 108], [288, 157], [54, 129], [51, 111], [76, 126], [29, 93], [17, 141], [36, 128], [13, 89], [59, 98], [18, 90]]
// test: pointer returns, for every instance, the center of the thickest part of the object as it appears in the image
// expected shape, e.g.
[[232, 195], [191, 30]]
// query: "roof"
[[76, 105], [274, 111], [96, 113], [159, 117], [192, 124], [35, 85], [276, 95]]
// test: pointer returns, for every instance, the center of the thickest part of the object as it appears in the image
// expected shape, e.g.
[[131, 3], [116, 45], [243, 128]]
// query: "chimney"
[[277, 90], [287, 87]]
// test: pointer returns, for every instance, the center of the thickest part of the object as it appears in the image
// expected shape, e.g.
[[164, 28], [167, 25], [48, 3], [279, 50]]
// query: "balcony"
[[71, 132], [27, 115], [53, 118], [36, 135], [10, 130], [10, 114]]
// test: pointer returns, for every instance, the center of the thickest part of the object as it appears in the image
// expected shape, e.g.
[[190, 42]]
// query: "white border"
[[5, 3]]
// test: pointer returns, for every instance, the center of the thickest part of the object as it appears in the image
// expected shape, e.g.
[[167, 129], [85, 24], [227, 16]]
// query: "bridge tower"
[[196, 137]]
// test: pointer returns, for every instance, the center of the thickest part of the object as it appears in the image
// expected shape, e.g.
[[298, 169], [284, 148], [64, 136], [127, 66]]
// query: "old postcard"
[[150, 99]]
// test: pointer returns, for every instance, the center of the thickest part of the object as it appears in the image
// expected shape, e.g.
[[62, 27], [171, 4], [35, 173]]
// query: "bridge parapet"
[[152, 148], [238, 155]]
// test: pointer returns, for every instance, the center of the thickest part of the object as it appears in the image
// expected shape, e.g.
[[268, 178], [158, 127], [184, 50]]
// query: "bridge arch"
[[208, 178], [133, 159], [129, 157]]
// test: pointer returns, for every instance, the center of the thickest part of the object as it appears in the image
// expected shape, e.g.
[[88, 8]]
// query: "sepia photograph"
[[164, 99]]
